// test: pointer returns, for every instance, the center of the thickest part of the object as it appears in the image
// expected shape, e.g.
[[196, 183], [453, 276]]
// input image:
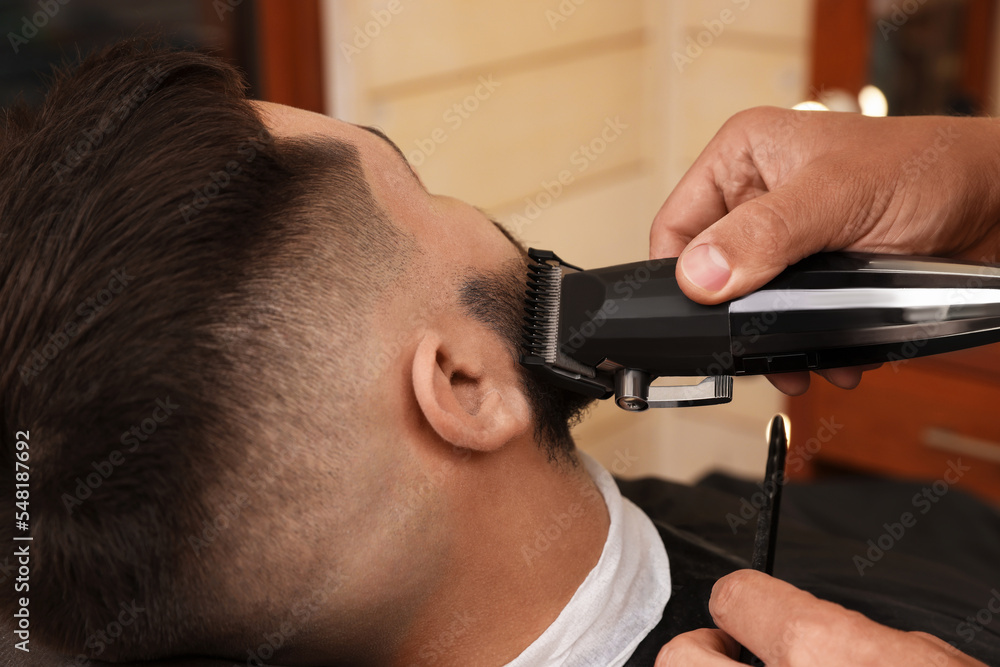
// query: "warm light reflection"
[[873, 102], [838, 99], [811, 105]]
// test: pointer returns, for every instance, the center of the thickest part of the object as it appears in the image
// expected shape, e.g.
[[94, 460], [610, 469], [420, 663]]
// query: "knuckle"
[[924, 636], [933, 644], [806, 629], [827, 626], [770, 231], [803, 633], [754, 117], [725, 596], [744, 127], [681, 650]]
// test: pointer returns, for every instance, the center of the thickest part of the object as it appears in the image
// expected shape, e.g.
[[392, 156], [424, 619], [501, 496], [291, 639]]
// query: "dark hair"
[[147, 221], [497, 300]]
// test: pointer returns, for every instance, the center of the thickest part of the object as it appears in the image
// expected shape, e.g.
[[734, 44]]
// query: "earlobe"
[[467, 393]]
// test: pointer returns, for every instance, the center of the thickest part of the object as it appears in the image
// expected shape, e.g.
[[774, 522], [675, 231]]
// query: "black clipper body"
[[615, 329]]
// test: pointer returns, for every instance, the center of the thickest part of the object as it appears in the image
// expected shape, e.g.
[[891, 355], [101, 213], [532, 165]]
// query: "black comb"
[[766, 538]]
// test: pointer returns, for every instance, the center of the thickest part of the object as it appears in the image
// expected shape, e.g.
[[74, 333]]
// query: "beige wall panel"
[[529, 129], [596, 224], [723, 81], [781, 18], [427, 39]]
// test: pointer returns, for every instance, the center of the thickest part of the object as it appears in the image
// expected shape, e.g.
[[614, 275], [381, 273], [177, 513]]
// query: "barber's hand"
[[787, 627], [776, 185]]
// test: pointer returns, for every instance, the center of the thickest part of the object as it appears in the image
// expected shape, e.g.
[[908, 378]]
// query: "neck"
[[528, 533]]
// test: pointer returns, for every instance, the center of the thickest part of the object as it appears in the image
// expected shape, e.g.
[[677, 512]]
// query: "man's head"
[[258, 363]]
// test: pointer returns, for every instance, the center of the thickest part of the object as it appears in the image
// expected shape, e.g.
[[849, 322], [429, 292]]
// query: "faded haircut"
[[150, 228]]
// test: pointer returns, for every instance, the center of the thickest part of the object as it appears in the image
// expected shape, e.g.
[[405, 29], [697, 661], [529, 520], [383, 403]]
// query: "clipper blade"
[[541, 316], [541, 310]]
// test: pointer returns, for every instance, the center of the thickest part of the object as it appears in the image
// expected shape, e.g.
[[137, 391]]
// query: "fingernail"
[[706, 267]]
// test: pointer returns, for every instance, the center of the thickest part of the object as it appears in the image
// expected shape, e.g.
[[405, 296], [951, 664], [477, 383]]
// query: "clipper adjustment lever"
[[634, 393]]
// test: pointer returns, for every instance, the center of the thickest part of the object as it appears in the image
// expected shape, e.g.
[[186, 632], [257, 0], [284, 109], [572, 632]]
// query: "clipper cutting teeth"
[[541, 308]]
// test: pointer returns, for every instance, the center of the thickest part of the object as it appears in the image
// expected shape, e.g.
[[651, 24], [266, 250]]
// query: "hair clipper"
[[614, 330]]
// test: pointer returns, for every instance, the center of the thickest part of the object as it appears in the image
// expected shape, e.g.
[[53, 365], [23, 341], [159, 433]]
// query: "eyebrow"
[[382, 135]]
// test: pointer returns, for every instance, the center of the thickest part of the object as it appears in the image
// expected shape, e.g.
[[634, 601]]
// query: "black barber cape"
[[843, 541]]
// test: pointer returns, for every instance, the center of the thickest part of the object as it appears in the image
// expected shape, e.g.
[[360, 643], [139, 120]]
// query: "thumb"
[[752, 244]]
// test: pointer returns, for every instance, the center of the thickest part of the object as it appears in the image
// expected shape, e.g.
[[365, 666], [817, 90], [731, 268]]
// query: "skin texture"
[[777, 185], [787, 627], [449, 482]]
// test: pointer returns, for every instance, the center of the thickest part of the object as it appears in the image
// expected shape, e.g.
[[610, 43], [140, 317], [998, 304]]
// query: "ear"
[[469, 389]]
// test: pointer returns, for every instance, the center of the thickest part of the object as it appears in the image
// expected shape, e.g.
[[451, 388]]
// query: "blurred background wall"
[[571, 120]]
